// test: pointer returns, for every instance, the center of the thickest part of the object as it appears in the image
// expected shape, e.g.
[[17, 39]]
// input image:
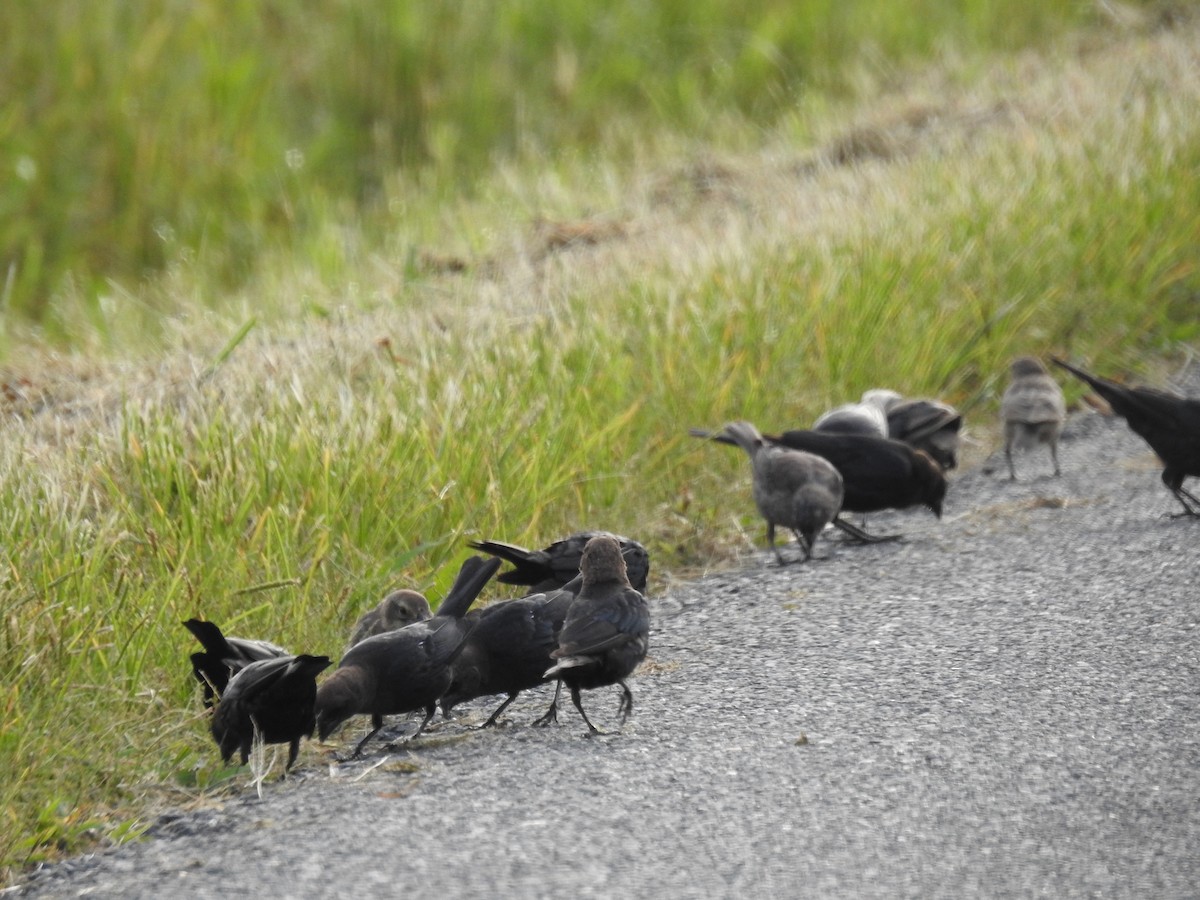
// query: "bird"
[[222, 656], [606, 633], [273, 698], [555, 565], [877, 473], [509, 647], [404, 670], [792, 488], [1168, 423], [1032, 409], [928, 425], [397, 609], [869, 416]]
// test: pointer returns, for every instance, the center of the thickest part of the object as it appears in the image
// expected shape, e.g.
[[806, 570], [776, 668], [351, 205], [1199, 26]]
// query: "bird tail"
[[719, 436], [474, 575], [1101, 386], [567, 662], [531, 567], [210, 637]]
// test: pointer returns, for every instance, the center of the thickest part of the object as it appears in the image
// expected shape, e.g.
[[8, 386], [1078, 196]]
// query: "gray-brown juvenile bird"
[[877, 473], [606, 632], [404, 670], [1169, 424], [224, 656], [552, 567], [274, 697], [1033, 411], [797, 490], [397, 609]]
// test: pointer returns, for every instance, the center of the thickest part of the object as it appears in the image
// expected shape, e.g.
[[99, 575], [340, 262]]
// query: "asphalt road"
[[1005, 704]]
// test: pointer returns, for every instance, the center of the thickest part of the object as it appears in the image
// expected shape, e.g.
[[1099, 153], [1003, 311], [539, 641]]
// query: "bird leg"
[[771, 541], [292, 751], [496, 715], [551, 715], [579, 706], [376, 724], [804, 544], [1183, 497], [430, 711], [859, 535], [625, 710]]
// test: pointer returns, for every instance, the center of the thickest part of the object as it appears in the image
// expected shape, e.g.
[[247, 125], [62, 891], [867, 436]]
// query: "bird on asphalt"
[[606, 632], [1168, 423], [404, 670], [868, 416], [877, 473], [1033, 411], [223, 656], [550, 568], [271, 699], [508, 650], [928, 425], [397, 609], [794, 489]]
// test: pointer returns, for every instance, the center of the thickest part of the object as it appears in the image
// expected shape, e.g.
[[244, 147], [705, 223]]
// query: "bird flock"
[[584, 621]]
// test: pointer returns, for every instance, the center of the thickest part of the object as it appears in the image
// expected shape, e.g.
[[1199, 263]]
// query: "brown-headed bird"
[[508, 650], [606, 632], [404, 670], [1169, 424]]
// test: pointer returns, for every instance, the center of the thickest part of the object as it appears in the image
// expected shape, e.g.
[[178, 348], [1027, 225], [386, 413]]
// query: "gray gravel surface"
[[1006, 704]]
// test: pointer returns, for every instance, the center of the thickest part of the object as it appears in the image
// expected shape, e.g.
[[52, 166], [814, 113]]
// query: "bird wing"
[[604, 626]]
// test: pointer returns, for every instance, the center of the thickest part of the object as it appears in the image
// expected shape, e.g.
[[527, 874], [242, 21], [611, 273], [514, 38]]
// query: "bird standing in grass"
[[606, 632], [1033, 411], [273, 698], [797, 490], [1169, 424]]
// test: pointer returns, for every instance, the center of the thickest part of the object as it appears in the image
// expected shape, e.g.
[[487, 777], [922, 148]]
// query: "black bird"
[[404, 670], [508, 650], [928, 425], [274, 697], [606, 632], [1168, 423], [397, 609], [554, 566], [223, 656], [877, 473], [798, 490]]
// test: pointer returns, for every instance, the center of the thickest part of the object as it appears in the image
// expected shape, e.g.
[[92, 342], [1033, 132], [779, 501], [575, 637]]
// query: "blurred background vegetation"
[[138, 135]]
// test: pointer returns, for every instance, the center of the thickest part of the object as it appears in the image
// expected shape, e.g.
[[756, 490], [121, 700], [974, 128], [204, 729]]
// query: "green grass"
[[277, 458], [147, 136]]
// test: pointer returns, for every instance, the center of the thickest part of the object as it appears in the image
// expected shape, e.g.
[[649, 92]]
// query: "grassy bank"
[[141, 137], [278, 477]]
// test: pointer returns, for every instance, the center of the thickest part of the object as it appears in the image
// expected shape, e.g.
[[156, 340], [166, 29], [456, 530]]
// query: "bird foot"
[[550, 718]]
